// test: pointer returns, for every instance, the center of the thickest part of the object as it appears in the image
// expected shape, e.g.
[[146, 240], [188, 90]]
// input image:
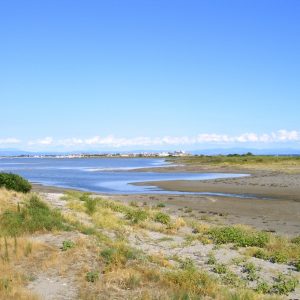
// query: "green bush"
[[220, 269], [35, 215], [296, 240], [90, 205], [239, 236], [279, 257], [118, 254], [67, 244], [14, 182], [284, 284], [263, 287], [136, 216], [162, 218], [251, 270], [92, 276]]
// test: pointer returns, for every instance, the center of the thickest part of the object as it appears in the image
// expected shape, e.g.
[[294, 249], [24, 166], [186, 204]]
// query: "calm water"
[[104, 175]]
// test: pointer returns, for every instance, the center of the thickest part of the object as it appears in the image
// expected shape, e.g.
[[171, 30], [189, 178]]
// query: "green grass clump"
[[190, 282], [239, 236], [220, 269], [296, 240], [136, 216], [297, 265], [92, 276], [251, 271], [118, 254], [14, 182], [163, 218], [263, 287], [161, 205], [90, 204], [284, 284], [67, 244], [211, 259], [34, 216]]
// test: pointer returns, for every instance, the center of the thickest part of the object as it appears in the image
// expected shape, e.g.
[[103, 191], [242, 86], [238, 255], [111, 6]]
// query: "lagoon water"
[[103, 175]]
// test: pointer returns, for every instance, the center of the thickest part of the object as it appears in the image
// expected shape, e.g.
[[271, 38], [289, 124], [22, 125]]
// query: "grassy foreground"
[[104, 249]]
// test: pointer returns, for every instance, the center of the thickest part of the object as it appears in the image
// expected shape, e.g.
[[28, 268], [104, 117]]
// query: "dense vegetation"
[[14, 182], [34, 215]]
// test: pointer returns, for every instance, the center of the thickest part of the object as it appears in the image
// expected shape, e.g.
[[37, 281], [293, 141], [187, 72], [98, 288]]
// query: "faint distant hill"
[[13, 152]]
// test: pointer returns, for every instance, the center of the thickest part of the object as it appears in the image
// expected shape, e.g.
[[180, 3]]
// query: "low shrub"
[[163, 218], [251, 270], [220, 269], [296, 240], [263, 287], [92, 276], [90, 205], [239, 236], [14, 182], [118, 254], [284, 284], [35, 215], [136, 216], [67, 244]]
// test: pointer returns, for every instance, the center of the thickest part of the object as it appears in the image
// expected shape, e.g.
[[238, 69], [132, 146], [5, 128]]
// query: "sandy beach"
[[276, 208]]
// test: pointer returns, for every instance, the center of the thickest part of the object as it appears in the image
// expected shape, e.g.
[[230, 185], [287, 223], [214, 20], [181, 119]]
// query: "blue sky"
[[149, 74]]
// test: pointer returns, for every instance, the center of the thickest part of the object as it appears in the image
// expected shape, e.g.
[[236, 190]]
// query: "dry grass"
[[100, 267]]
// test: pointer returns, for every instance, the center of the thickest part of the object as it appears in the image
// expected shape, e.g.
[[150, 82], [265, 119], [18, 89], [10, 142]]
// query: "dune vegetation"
[[289, 164], [91, 247]]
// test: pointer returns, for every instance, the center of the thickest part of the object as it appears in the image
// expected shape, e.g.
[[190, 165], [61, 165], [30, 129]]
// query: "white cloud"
[[45, 141], [9, 141], [280, 136]]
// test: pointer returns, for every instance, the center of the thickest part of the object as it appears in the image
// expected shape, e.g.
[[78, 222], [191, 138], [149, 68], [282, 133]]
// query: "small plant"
[[187, 264], [5, 284], [230, 278], [133, 281], [133, 204], [160, 205], [284, 284], [279, 257], [163, 218], [296, 240], [220, 269], [261, 254], [90, 205], [136, 216], [211, 259], [251, 270], [263, 287], [28, 249], [67, 244], [84, 197], [92, 276], [297, 265]]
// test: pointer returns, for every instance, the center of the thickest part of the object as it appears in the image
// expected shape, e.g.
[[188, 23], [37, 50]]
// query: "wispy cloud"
[[44, 141], [9, 141], [280, 136]]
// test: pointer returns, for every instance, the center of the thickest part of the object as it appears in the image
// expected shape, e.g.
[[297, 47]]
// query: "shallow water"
[[103, 175]]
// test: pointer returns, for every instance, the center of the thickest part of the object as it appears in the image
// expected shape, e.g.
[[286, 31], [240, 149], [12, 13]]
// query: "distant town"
[[98, 155]]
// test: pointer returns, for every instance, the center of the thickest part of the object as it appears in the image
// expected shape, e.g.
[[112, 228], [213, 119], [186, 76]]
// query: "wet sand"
[[261, 184], [279, 213]]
